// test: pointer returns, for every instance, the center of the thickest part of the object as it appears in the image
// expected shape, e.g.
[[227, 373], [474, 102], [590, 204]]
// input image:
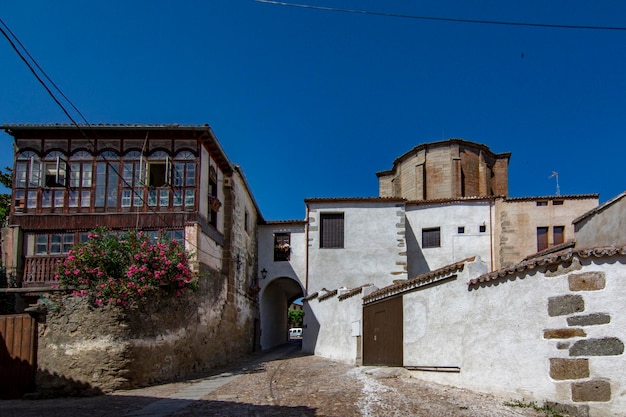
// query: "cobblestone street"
[[282, 383]]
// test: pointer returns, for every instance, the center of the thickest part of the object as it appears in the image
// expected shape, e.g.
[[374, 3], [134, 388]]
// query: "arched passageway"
[[276, 298]]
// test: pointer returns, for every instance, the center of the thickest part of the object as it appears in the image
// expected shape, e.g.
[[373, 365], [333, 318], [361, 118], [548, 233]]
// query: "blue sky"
[[313, 103]]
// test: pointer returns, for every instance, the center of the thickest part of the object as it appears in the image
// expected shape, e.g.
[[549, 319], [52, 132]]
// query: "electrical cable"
[[78, 126], [441, 19]]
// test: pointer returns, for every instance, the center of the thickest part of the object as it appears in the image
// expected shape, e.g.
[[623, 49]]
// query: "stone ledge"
[[587, 281], [608, 346], [597, 390], [561, 369], [563, 333]]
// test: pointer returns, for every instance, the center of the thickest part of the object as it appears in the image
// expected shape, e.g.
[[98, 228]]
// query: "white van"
[[295, 333]]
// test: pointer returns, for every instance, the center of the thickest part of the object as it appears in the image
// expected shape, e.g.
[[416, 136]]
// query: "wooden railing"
[[40, 270]]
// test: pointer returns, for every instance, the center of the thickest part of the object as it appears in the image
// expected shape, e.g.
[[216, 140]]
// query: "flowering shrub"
[[114, 269]]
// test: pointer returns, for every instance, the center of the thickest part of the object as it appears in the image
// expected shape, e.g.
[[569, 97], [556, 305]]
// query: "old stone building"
[[447, 169], [168, 181]]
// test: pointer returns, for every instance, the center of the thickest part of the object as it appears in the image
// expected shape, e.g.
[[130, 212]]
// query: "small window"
[[557, 203], [431, 238], [461, 230], [246, 221], [282, 246], [542, 203], [558, 235], [482, 228], [331, 230], [542, 238]]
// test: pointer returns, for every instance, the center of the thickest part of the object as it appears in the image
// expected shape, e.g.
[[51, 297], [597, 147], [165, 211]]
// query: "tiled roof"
[[284, 222], [419, 281], [600, 208], [310, 296], [553, 249], [327, 295], [454, 200], [554, 197], [550, 259], [354, 199], [352, 292]]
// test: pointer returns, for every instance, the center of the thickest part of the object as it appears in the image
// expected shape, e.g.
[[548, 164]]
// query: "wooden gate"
[[17, 354], [382, 333]]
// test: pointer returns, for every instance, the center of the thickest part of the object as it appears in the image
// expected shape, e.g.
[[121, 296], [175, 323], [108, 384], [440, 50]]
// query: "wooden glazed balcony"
[[39, 271]]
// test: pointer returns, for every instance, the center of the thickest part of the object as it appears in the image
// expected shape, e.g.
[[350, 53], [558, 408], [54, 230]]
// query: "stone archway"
[[276, 298]]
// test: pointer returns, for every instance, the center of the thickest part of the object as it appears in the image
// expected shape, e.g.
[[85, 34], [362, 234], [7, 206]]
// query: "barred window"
[[331, 230], [431, 237]]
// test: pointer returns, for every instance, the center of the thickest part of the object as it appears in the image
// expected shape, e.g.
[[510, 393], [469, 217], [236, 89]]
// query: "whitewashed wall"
[[337, 337], [496, 334], [374, 253], [455, 246], [284, 280]]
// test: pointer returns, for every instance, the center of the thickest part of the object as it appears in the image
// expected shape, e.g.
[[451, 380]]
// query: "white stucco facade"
[[285, 279], [604, 225], [373, 252], [465, 231], [501, 335]]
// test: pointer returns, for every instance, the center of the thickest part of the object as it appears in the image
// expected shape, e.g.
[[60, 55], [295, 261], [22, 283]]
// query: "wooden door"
[[382, 333], [17, 354]]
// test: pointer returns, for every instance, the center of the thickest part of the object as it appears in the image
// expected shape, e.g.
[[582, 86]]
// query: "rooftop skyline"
[[312, 103]]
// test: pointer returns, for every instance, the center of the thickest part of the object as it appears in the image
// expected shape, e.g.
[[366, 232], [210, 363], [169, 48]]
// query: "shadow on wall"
[[416, 262], [311, 330]]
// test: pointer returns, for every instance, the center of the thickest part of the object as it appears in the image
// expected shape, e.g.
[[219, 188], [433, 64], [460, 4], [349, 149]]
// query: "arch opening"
[[276, 298]]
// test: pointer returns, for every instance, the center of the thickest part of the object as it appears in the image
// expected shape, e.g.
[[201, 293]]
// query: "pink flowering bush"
[[113, 269]]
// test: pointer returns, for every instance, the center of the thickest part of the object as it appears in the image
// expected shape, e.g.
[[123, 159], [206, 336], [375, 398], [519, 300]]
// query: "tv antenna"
[[556, 175]]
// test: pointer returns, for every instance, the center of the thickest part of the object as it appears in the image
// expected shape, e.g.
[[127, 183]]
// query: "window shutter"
[[332, 230]]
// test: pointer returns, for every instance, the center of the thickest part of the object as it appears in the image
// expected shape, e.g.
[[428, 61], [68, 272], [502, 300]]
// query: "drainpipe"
[[306, 252]]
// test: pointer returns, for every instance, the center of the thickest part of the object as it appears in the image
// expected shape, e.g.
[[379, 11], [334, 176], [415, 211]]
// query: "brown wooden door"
[[382, 333], [17, 354]]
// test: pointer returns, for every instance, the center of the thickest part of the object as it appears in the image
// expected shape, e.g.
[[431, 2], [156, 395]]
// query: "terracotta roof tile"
[[327, 295], [417, 282], [454, 200], [552, 249], [549, 259], [600, 207], [554, 197], [284, 222], [352, 292], [310, 296], [354, 199]]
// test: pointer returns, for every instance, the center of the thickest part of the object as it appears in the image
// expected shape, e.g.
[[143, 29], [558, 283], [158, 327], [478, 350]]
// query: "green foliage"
[[113, 269], [295, 317], [6, 177], [547, 410]]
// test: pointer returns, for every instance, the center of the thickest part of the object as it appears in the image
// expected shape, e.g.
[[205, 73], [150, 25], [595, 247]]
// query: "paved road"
[[281, 383]]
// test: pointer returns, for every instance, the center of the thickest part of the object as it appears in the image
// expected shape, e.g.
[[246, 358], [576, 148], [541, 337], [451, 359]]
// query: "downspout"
[[306, 249]]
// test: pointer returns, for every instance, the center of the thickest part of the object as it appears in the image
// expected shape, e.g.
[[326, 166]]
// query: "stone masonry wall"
[[85, 350], [576, 371]]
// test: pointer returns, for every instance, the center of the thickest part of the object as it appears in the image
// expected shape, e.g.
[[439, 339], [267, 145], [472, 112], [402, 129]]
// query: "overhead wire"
[[441, 19], [11, 41]]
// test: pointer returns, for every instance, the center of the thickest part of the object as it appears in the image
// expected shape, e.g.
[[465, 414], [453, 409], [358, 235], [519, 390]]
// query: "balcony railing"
[[39, 271]]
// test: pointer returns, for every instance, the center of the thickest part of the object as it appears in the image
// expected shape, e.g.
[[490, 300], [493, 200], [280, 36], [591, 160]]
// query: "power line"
[[442, 19], [11, 39]]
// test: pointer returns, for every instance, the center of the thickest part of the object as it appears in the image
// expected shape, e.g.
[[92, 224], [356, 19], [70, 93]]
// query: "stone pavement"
[[282, 383]]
